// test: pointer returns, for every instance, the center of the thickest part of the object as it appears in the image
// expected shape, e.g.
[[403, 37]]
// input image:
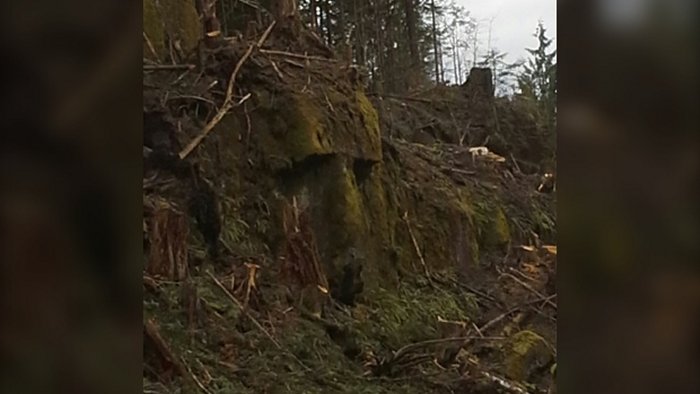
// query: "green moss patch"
[[393, 319], [525, 353], [493, 230], [370, 120], [153, 29], [305, 134]]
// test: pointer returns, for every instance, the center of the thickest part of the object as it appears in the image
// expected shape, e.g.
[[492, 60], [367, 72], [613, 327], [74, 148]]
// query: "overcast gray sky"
[[514, 22]]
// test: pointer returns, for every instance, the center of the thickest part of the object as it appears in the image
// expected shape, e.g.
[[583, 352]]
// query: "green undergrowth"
[[393, 319], [307, 360]]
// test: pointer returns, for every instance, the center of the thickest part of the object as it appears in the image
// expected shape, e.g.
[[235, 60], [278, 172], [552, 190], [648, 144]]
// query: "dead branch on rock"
[[452, 281], [293, 63], [150, 45], [458, 171], [153, 333], [410, 98], [150, 284], [168, 67], [502, 316], [533, 290], [297, 55], [245, 312], [277, 70], [254, 320], [498, 318], [415, 245], [411, 347], [513, 387], [405, 358], [194, 377], [192, 97], [228, 101]]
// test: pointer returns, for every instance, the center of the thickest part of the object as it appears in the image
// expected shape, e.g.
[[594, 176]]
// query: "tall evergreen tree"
[[504, 73], [538, 79]]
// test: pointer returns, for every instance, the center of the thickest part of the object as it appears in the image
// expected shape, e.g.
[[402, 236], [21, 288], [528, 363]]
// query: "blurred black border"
[[71, 175], [628, 279], [70, 196]]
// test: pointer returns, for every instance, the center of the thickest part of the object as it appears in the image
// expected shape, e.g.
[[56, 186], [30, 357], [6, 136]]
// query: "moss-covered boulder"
[[371, 141], [525, 353], [293, 126], [301, 131], [153, 30], [175, 21], [493, 230]]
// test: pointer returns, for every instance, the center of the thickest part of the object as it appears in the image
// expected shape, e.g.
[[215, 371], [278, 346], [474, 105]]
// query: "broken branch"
[[228, 101], [429, 342], [254, 320], [415, 245], [153, 333], [297, 55], [194, 377], [156, 67], [544, 298]]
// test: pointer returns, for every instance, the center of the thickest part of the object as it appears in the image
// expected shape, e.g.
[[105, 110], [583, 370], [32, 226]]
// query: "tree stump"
[[167, 234], [479, 91], [479, 85]]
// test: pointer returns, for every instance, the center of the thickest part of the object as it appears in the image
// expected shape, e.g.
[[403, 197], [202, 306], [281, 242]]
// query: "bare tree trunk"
[[411, 22], [341, 21], [459, 65], [321, 21], [314, 16], [390, 64], [360, 43], [379, 55], [454, 57], [329, 27], [223, 6], [475, 45], [442, 64], [435, 41]]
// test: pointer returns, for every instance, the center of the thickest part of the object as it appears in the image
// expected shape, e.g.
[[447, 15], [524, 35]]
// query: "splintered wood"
[[155, 344], [302, 261], [167, 234]]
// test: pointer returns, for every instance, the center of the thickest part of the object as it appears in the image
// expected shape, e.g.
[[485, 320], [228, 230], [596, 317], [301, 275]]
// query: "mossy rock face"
[[174, 20], [525, 353], [295, 126], [466, 247], [153, 29], [288, 129], [372, 142], [492, 225], [342, 215], [499, 233], [325, 188], [305, 135], [330, 149], [439, 216], [380, 238]]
